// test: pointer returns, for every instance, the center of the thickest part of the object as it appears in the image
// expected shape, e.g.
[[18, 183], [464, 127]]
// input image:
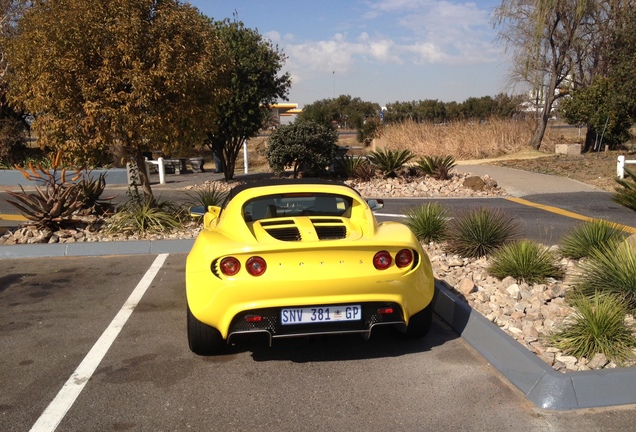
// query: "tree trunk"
[[143, 175], [590, 139]]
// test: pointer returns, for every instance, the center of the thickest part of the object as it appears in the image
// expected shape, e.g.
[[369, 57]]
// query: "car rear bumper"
[[269, 322]]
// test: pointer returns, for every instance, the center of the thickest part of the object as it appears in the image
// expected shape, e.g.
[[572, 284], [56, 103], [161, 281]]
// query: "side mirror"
[[375, 204]]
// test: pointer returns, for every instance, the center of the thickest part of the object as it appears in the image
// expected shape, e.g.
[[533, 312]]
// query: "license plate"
[[321, 314]]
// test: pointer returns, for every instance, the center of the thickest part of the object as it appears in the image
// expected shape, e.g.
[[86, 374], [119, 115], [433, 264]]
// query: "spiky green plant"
[[598, 326], [355, 166], [626, 194], [478, 232], [210, 195], [611, 268], [438, 167], [390, 161], [428, 222], [580, 241], [525, 261], [145, 216], [90, 190]]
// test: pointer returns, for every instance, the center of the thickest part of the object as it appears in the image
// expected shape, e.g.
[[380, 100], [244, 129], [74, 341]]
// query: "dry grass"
[[498, 142]]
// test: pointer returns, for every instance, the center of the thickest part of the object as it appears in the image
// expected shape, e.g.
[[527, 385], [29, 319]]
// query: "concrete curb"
[[542, 385]]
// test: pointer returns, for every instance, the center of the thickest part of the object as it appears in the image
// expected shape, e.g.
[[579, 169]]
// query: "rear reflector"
[[385, 311], [253, 318]]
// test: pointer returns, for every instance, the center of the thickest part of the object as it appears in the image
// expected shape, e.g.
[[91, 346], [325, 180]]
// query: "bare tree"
[[544, 36]]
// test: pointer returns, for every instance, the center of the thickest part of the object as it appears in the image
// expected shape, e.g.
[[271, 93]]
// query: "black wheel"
[[202, 338], [420, 323]]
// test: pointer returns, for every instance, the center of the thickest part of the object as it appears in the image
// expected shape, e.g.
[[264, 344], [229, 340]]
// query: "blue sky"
[[379, 50]]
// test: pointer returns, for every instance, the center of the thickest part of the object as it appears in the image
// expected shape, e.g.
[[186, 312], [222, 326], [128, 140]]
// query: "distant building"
[[285, 111]]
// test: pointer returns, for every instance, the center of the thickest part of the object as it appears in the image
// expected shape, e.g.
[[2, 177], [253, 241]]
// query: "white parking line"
[[57, 409]]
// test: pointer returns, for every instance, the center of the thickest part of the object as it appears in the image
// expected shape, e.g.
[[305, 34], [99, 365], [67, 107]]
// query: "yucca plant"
[[580, 241], [526, 261], [210, 195], [479, 232], [598, 326], [143, 216], [390, 161], [611, 268], [626, 195], [428, 222], [54, 201], [438, 167]]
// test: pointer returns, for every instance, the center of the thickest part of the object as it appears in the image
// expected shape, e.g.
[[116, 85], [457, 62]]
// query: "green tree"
[[344, 112], [141, 74], [303, 145], [255, 85], [599, 107]]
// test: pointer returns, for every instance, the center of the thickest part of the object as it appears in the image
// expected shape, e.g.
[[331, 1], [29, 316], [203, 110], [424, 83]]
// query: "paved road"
[[144, 378]]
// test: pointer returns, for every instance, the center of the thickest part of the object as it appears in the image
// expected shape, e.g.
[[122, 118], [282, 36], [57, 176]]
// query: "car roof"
[[277, 182]]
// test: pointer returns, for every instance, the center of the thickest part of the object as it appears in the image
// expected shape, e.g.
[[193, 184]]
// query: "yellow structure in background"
[[285, 110]]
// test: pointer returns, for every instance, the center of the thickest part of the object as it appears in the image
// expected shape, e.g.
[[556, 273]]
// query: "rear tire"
[[202, 338], [420, 323]]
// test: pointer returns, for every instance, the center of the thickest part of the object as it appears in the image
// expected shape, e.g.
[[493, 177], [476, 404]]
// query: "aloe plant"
[[54, 201], [438, 167], [390, 161]]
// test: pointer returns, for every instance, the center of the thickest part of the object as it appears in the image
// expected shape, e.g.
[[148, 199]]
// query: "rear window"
[[296, 204]]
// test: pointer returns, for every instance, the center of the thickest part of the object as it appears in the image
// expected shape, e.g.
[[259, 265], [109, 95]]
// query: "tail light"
[[230, 266], [404, 258], [256, 266], [382, 260]]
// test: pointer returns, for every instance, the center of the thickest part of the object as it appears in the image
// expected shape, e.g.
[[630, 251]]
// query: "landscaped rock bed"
[[525, 312]]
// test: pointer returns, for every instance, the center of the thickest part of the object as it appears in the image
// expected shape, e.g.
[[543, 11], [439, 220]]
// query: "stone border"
[[542, 385]]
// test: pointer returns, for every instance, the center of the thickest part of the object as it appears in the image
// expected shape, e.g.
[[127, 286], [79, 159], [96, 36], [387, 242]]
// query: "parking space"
[[54, 311]]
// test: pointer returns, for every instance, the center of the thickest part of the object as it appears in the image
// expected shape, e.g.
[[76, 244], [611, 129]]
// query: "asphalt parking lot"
[[98, 343]]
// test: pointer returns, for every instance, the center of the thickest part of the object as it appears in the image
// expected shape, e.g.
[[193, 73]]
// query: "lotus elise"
[[288, 258]]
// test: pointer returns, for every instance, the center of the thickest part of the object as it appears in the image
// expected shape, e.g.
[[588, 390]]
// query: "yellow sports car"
[[304, 257]]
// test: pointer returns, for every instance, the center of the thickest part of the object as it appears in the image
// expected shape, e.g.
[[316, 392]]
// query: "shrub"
[[428, 222], [480, 231], [579, 242], [598, 326], [390, 161], [438, 167], [304, 145], [611, 268], [525, 261], [626, 196]]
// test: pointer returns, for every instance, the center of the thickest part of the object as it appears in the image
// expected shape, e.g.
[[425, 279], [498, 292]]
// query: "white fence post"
[[162, 171], [620, 166], [245, 155]]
